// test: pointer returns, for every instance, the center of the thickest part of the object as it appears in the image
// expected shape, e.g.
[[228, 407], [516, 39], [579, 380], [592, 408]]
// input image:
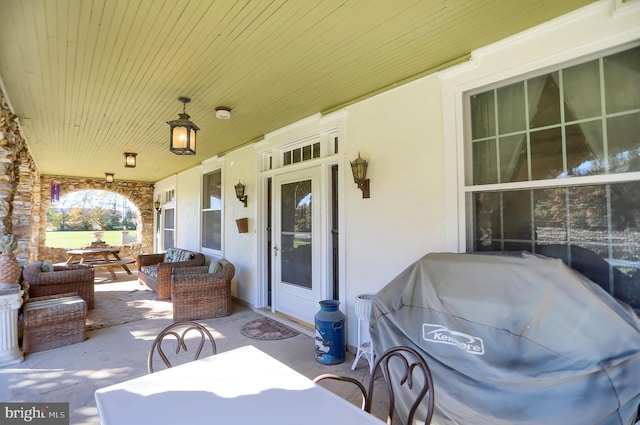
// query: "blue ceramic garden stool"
[[330, 333]]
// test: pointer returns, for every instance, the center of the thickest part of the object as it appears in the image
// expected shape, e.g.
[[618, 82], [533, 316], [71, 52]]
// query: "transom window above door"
[[315, 146]]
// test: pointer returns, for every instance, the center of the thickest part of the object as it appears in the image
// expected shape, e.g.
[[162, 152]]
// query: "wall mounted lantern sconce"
[[240, 193], [130, 159], [359, 170], [156, 205], [183, 132], [108, 177]]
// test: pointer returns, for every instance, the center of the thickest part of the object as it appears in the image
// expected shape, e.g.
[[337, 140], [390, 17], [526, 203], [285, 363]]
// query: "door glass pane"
[[296, 235]]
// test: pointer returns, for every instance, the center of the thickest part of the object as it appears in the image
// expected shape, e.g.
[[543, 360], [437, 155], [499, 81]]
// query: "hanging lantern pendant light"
[[183, 132]]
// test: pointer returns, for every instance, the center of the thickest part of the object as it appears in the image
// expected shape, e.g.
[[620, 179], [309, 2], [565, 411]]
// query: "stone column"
[[9, 305]]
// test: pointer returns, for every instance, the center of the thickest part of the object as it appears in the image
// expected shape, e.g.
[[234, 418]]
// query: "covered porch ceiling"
[[92, 79]]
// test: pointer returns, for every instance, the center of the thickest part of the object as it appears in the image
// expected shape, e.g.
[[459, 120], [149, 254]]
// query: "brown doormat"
[[266, 329]]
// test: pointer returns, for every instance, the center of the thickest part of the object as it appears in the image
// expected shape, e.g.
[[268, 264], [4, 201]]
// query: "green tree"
[[105, 219], [78, 219]]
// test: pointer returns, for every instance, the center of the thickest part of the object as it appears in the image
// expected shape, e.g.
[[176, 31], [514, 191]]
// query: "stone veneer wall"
[[18, 175], [25, 196], [141, 194]]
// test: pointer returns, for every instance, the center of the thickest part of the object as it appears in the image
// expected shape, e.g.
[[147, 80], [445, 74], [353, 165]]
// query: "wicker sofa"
[[154, 270], [202, 292], [76, 278]]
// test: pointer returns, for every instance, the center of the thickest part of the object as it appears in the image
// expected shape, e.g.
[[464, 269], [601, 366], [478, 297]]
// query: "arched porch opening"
[[139, 193]]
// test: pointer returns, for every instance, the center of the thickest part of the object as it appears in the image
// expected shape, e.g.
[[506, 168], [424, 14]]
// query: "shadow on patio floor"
[[118, 353]]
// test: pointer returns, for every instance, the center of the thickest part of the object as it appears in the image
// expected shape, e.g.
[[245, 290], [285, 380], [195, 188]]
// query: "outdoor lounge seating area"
[[453, 187], [113, 354], [55, 313]]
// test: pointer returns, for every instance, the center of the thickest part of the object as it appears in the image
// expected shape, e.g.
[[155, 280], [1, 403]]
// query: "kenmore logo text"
[[442, 335]]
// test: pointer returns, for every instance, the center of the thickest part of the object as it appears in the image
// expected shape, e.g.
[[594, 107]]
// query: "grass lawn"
[[82, 239]]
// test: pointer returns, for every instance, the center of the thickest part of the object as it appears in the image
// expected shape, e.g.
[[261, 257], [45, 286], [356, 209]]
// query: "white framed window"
[[167, 219], [169, 228], [552, 162], [211, 237]]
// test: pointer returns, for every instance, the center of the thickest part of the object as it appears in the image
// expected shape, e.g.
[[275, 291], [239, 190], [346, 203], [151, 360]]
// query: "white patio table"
[[240, 386]]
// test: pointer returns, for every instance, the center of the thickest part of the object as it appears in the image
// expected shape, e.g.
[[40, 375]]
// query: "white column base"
[[9, 351]]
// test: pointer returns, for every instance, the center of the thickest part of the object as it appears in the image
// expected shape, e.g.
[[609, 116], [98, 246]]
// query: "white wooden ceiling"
[[92, 79]]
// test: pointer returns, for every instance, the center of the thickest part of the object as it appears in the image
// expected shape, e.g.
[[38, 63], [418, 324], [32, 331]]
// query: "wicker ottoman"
[[52, 322]]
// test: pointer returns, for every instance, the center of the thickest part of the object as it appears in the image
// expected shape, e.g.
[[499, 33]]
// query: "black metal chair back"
[[179, 331], [404, 369], [353, 381]]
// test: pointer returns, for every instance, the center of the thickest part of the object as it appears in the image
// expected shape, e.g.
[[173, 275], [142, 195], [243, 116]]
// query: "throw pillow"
[[175, 255], [215, 267], [47, 266]]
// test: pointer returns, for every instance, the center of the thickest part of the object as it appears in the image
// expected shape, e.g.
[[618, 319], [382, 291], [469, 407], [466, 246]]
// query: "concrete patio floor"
[[118, 353]]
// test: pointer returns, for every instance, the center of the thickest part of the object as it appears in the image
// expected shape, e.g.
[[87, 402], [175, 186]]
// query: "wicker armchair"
[[198, 294], [63, 279], [155, 272]]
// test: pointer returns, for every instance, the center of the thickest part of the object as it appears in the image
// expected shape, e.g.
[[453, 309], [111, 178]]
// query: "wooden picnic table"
[[100, 257]]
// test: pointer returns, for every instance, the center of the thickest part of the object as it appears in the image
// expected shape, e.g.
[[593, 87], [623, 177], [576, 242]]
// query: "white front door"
[[296, 250]]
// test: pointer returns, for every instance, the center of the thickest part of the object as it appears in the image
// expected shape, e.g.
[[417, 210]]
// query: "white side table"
[[365, 348], [10, 302]]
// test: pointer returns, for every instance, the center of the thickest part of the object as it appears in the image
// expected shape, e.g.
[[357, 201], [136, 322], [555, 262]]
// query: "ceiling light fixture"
[[223, 112], [183, 132], [130, 159]]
